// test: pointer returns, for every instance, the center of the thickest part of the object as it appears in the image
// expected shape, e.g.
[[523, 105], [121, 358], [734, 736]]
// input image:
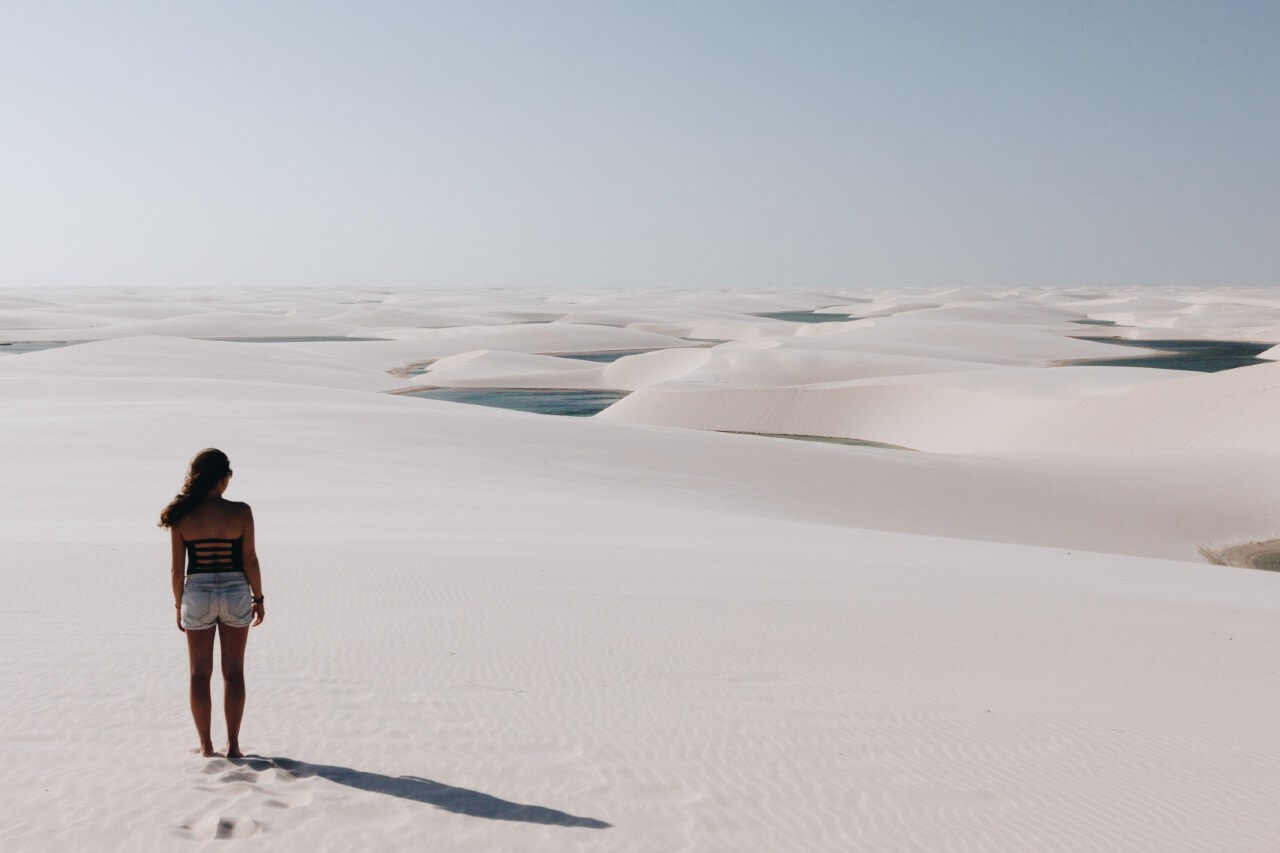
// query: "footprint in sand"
[[289, 800], [217, 827], [238, 793]]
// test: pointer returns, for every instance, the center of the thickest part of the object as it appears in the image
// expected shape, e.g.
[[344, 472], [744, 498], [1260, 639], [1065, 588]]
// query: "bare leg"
[[200, 650], [233, 641]]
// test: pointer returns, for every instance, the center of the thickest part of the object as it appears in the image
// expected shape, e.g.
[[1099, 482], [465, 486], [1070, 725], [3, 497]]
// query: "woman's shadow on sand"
[[438, 794]]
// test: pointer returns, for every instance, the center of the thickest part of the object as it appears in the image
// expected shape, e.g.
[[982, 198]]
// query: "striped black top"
[[215, 555]]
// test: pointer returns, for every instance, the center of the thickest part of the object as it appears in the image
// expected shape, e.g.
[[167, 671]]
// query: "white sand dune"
[[365, 364], [720, 330], [1016, 499], [1002, 313], [895, 305], [15, 324], [765, 363], [919, 336], [490, 368], [303, 364], [499, 630], [947, 413], [549, 338]]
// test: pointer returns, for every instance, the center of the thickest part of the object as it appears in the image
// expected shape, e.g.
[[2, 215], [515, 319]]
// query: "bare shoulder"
[[245, 514]]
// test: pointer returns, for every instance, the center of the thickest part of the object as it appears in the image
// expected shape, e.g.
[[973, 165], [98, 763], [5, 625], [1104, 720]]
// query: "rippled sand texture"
[[496, 630]]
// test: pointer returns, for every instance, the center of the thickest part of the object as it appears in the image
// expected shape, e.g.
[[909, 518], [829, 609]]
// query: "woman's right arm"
[[251, 568], [178, 555]]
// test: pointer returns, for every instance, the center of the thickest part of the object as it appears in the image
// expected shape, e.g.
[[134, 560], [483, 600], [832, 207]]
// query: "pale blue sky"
[[718, 144]]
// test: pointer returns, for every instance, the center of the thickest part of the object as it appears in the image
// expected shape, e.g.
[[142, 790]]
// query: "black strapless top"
[[215, 555]]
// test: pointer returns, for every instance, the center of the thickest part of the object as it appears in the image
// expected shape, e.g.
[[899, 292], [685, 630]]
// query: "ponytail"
[[207, 470]]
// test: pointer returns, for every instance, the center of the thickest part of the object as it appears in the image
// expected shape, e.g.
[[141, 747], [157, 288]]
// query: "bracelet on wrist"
[[258, 599]]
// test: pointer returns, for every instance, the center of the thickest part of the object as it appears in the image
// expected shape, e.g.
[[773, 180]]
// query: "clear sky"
[[697, 143]]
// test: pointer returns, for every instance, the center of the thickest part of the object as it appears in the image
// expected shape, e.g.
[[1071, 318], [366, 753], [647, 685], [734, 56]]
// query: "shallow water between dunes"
[[1189, 354]]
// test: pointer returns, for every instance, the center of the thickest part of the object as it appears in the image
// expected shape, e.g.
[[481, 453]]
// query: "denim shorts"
[[210, 598]]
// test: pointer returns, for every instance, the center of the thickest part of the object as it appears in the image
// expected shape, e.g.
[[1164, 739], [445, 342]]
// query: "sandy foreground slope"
[[498, 630]]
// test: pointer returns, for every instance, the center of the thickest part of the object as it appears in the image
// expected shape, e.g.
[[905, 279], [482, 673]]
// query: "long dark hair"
[[207, 470]]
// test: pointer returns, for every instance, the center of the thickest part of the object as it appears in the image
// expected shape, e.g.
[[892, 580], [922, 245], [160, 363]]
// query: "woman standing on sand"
[[223, 587]]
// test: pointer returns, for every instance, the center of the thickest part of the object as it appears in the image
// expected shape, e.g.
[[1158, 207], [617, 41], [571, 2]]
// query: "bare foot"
[[207, 751], [233, 751]]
